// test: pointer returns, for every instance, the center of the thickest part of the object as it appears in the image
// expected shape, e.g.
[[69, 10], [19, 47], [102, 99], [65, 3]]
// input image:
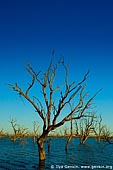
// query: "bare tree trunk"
[[40, 142], [41, 150], [67, 143], [70, 136], [83, 139], [98, 139]]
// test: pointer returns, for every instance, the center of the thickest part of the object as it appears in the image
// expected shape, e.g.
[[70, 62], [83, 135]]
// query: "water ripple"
[[24, 156]]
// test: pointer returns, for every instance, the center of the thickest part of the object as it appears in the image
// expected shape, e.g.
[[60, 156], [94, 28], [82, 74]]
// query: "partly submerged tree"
[[98, 130], [69, 136], [106, 134], [1, 133], [86, 126], [19, 132], [55, 110], [83, 128]]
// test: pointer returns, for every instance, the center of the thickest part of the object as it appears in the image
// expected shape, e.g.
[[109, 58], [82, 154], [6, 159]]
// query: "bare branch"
[[31, 85]]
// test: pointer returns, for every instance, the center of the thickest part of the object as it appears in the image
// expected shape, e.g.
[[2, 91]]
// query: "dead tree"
[[86, 127], [19, 132], [106, 134], [35, 130], [83, 128], [102, 132], [51, 107], [64, 132], [98, 130], [15, 130], [22, 132], [76, 128], [1, 133]]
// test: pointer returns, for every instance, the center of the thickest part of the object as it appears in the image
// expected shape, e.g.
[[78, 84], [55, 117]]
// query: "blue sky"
[[80, 30]]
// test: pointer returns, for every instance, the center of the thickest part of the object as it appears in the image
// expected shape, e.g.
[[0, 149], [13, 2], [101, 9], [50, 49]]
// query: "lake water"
[[24, 155]]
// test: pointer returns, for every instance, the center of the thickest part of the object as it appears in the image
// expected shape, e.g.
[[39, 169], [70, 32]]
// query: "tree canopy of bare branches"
[[51, 108]]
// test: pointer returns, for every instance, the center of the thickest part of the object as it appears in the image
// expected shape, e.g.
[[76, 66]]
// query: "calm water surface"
[[24, 155]]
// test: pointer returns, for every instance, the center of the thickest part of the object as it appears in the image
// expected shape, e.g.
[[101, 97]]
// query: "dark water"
[[24, 155]]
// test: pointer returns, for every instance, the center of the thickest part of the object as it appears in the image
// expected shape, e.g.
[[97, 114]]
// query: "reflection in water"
[[41, 165], [20, 156]]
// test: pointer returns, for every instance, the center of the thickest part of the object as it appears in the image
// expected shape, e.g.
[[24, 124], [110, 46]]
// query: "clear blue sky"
[[80, 30]]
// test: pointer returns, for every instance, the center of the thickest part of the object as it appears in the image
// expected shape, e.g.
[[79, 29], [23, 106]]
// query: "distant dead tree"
[[83, 128], [35, 130], [106, 134], [98, 128], [57, 98], [86, 127], [23, 132], [76, 129], [1, 133], [65, 131], [14, 126], [102, 132], [19, 132], [62, 132]]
